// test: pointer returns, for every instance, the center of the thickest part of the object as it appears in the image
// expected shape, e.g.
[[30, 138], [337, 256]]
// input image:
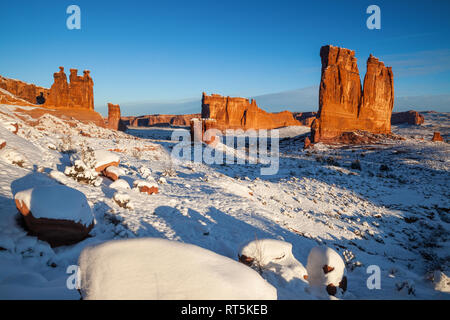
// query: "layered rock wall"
[[26, 91], [240, 113], [79, 93], [344, 106]]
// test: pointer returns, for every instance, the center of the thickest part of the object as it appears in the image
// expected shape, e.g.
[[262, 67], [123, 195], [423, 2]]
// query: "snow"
[[395, 219], [115, 170], [318, 259], [103, 157], [144, 183], [57, 202], [120, 184], [164, 270]]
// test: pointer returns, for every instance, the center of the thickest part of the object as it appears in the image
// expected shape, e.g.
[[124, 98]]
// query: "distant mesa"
[[159, 119], [410, 117], [241, 113], [345, 106]]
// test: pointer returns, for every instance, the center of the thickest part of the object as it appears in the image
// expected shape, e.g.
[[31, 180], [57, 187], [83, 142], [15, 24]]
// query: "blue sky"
[[141, 51]]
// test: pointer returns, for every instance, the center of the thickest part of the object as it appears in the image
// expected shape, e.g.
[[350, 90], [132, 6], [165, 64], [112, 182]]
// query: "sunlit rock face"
[[79, 93], [345, 106], [241, 113]]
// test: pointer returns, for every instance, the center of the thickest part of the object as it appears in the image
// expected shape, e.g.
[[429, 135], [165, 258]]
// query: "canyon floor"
[[392, 211]]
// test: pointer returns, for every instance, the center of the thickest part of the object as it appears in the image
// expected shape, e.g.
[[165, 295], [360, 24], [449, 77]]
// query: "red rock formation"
[[378, 97], [409, 117], [307, 143], [22, 90], [114, 120], [343, 105], [240, 113], [148, 190], [79, 93], [2, 144], [305, 118], [159, 119], [437, 137], [203, 130]]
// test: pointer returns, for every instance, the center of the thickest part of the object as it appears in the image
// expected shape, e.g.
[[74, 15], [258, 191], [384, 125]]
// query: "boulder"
[[437, 137], [148, 187], [410, 117], [345, 106], [56, 214], [105, 159], [113, 172], [2, 144], [307, 143]]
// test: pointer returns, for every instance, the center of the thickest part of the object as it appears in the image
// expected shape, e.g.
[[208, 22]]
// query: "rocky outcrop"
[[437, 137], [114, 122], [79, 93], [305, 118], [159, 119], [240, 113], [410, 117], [344, 106], [26, 91]]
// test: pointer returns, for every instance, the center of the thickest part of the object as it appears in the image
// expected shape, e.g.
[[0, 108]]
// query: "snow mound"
[[273, 255], [120, 184], [326, 270], [153, 268], [57, 202]]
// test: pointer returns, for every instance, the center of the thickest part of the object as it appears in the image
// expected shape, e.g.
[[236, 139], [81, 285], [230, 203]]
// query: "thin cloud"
[[419, 63]]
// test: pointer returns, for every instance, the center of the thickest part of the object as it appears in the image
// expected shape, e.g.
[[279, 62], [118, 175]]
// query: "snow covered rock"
[[105, 159], [274, 255], [123, 200], [113, 172], [145, 172], [152, 268], [437, 137], [57, 214], [326, 271], [146, 186], [120, 184]]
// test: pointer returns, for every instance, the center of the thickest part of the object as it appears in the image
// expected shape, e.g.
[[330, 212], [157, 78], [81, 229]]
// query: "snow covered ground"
[[393, 213]]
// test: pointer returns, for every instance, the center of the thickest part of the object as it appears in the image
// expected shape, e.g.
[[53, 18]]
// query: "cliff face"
[[240, 113], [63, 99], [156, 119], [343, 105], [79, 93], [22, 90]]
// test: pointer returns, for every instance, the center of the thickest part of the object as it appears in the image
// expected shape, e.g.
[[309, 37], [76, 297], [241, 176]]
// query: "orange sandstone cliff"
[[63, 99], [345, 106], [240, 113]]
